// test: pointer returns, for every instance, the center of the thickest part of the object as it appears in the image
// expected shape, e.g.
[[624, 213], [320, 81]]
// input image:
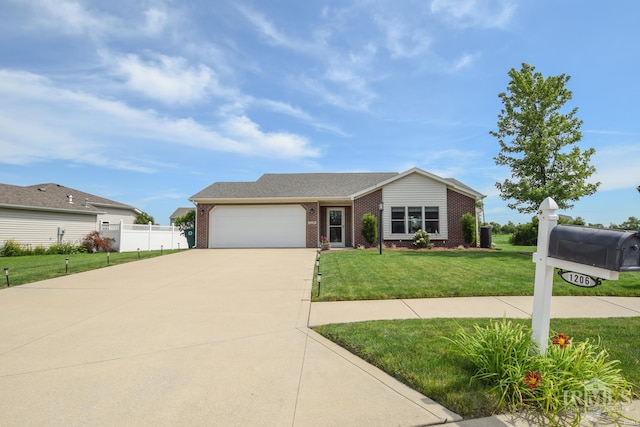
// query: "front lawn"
[[417, 353], [409, 273]]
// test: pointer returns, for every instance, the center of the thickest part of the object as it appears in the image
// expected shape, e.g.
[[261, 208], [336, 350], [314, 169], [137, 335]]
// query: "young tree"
[[538, 143]]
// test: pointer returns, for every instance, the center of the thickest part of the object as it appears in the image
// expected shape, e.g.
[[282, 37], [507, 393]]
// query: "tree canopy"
[[538, 143], [144, 218], [186, 221]]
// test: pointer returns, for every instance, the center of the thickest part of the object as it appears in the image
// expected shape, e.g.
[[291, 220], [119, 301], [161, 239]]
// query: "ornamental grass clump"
[[570, 380]]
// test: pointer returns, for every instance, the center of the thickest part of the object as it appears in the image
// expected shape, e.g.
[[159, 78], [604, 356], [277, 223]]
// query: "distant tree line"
[[527, 234]]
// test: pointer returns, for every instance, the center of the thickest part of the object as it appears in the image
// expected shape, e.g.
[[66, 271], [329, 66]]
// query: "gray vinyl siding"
[[415, 190], [40, 228]]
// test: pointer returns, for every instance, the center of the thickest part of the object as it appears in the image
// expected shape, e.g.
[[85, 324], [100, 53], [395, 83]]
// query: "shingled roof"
[[295, 185], [55, 197]]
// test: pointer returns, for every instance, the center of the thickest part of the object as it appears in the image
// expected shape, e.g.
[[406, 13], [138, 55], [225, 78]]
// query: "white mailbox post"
[[581, 274]]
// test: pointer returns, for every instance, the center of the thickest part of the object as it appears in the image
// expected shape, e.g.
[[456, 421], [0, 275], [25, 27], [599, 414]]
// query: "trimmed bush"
[[422, 239], [369, 228], [468, 229]]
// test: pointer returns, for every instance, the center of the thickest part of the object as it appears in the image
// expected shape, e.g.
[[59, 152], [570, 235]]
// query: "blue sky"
[[148, 102]]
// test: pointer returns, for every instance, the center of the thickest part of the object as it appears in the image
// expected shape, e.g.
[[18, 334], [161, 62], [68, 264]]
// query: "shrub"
[[422, 239], [11, 248], [369, 228], [39, 250], [94, 242], [61, 249], [560, 385], [525, 234], [468, 229]]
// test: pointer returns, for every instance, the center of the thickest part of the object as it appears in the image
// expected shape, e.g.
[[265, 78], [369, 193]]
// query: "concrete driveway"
[[203, 337]]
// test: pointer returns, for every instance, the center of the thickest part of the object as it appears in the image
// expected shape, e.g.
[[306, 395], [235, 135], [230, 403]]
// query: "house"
[[48, 214], [295, 210], [178, 213]]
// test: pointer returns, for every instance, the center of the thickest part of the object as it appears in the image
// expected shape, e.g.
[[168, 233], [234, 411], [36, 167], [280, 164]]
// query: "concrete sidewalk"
[[199, 338], [323, 313]]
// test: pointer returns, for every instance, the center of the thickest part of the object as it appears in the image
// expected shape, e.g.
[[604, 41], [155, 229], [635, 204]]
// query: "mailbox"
[[614, 250]]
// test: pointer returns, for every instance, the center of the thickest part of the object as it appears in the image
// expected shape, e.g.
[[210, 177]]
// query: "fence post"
[[544, 276], [121, 234]]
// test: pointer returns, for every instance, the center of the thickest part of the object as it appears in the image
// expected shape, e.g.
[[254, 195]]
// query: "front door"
[[335, 227]]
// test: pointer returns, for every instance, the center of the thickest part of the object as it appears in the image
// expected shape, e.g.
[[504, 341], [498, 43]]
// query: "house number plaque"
[[579, 279]]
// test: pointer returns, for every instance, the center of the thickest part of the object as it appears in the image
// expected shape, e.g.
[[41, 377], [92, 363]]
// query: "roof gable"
[[295, 185], [55, 197], [316, 185]]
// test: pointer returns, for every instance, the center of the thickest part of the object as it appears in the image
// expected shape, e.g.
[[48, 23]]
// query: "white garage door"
[[257, 227]]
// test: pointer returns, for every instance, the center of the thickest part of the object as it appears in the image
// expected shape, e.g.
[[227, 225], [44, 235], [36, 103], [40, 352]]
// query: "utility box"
[[614, 250]]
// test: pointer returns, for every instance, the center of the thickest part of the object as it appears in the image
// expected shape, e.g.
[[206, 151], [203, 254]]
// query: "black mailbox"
[[614, 250]]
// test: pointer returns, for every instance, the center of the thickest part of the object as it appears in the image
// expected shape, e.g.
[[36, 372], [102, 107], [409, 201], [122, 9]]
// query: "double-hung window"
[[398, 223], [409, 219], [431, 220]]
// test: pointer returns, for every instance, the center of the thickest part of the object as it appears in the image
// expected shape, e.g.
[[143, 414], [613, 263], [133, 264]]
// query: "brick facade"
[[313, 224], [202, 225], [366, 204], [458, 205]]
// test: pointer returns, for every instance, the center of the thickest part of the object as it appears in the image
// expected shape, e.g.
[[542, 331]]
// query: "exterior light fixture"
[[108, 258], [138, 253], [202, 211], [319, 282], [381, 208], [6, 274], [312, 211], [66, 265]]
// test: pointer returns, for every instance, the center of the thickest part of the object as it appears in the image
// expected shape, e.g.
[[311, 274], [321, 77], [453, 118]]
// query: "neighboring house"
[[295, 210], [178, 213], [48, 214]]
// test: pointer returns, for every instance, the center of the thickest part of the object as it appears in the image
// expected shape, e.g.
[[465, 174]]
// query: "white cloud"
[[41, 122], [166, 79], [475, 13], [69, 17], [402, 39], [297, 113], [155, 20]]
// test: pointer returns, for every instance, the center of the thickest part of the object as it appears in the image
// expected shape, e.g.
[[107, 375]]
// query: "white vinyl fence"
[[133, 237]]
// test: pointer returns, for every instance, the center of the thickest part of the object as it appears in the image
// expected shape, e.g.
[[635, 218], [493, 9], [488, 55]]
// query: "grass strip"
[[33, 268], [416, 353]]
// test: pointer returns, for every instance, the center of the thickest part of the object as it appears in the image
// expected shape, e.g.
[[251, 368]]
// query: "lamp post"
[[381, 209], [319, 282], [6, 274], [66, 265]]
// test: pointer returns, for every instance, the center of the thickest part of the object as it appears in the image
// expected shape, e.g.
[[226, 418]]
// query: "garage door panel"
[[258, 227]]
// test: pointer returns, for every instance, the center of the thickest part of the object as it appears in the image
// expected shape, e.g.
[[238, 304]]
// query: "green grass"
[[416, 353], [365, 274], [28, 269]]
